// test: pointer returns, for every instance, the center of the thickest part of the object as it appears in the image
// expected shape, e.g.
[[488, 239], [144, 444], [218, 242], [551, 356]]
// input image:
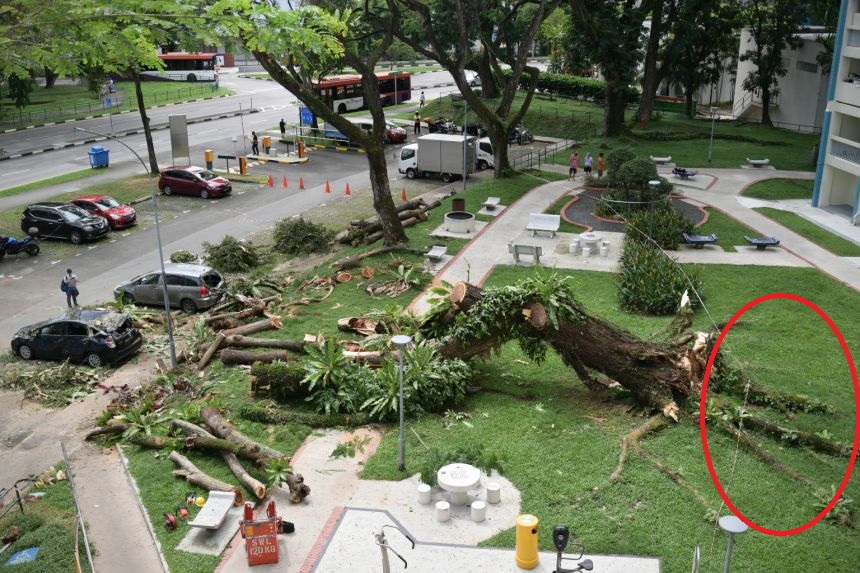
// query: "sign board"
[[178, 137], [261, 541], [306, 116]]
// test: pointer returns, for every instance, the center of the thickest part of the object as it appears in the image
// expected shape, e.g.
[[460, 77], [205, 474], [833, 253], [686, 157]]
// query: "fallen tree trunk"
[[256, 310], [194, 476], [216, 344], [250, 452], [270, 323], [246, 479], [356, 260], [233, 356], [373, 237], [248, 342]]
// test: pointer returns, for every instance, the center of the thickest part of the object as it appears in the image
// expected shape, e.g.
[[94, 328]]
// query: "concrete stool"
[[423, 494], [573, 248], [479, 511], [604, 249], [443, 511], [494, 493], [586, 251]]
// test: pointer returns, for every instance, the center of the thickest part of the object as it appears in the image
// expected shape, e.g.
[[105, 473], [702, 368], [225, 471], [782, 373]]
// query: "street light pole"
[[401, 340], [158, 242], [465, 140], [711, 144]]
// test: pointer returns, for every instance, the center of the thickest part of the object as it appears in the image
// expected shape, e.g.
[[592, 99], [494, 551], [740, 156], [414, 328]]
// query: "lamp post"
[[465, 141], [732, 525], [158, 242], [711, 144], [401, 340], [394, 74]]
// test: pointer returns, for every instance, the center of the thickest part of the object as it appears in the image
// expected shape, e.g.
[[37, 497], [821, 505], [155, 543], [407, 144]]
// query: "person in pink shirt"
[[574, 165]]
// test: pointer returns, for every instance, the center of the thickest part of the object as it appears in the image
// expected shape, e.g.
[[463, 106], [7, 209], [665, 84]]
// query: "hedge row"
[[573, 86]]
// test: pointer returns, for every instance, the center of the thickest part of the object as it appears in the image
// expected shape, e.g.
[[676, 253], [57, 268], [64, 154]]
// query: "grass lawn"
[[822, 237], [729, 231], [779, 189], [65, 178]]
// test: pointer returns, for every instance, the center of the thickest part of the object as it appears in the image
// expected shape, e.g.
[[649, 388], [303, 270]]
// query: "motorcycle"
[[12, 246], [440, 125], [521, 135]]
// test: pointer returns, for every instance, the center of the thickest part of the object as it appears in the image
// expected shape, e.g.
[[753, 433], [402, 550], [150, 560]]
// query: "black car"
[[63, 221], [96, 337]]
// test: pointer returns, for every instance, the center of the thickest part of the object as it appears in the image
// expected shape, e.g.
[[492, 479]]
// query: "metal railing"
[[845, 151], [6, 493], [534, 159]]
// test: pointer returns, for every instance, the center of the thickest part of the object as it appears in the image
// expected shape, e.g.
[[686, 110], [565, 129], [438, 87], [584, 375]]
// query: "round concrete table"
[[590, 238], [457, 479]]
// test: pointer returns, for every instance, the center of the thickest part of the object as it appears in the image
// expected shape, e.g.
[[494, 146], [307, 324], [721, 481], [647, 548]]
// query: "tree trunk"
[[249, 452], [613, 116], [354, 261], [765, 107], [485, 72], [271, 323], [219, 426], [256, 310], [383, 204], [50, 78], [498, 134], [144, 120], [248, 342], [688, 103], [232, 356], [650, 79], [196, 477], [213, 348], [656, 375]]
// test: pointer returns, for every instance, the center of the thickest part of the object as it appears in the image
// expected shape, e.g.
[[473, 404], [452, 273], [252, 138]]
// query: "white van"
[[486, 160]]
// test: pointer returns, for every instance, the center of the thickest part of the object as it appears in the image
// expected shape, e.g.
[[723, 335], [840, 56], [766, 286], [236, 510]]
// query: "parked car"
[[473, 79], [191, 180], [392, 133], [117, 215], [189, 287], [63, 221], [95, 337]]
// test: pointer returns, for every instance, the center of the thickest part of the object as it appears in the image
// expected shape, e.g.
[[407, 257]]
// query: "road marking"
[[57, 261], [207, 131], [16, 172], [126, 234], [91, 248], [186, 211], [78, 255], [113, 240]]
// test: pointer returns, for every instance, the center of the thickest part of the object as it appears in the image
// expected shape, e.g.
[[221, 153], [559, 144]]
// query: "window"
[[407, 154], [77, 329], [150, 279], [56, 329], [486, 147], [175, 280]]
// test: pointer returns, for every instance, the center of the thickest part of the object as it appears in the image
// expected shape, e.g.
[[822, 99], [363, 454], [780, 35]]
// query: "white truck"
[[439, 155], [486, 159]]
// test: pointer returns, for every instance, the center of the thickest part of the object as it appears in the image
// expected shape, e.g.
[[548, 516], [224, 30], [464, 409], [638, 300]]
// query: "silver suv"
[[189, 287]]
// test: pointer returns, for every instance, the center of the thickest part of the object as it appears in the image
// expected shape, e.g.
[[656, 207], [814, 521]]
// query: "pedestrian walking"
[[283, 126], [416, 127], [574, 165], [255, 145], [69, 285], [111, 87], [600, 166], [421, 100], [587, 165]]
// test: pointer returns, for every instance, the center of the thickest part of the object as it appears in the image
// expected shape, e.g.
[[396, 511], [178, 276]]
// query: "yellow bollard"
[[267, 144], [527, 542], [300, 146], [208, 156], [243, 165]]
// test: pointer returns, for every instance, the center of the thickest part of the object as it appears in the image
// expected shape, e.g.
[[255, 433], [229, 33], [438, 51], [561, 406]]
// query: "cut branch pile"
[[367, 231]]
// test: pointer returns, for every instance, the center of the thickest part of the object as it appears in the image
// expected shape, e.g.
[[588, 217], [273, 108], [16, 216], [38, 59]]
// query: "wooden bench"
[[546, 223], [436, 253], [661, 160], [684, 173], [758, 162], [761, 243], [699, 241], [534, 250], [490, 203]]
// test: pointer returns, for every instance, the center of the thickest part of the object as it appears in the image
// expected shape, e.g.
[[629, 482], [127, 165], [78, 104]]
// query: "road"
[[29, 289]]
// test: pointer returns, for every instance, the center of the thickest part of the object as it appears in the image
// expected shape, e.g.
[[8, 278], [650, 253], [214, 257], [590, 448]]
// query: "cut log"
[[373, 237], [194, 476], [216, 344], [219, 426], [356, 260], [464, 296], [240, 341], [411, 204], [248, 451], [256, 310], [270, 323], [233, 356]]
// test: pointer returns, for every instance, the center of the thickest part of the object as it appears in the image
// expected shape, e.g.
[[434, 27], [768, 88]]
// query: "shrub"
[[618, 157], [232, 255], [572, 86], [183, 256], [295, 236], [664, 225], [282, 379], [633, 174], [650, 282]]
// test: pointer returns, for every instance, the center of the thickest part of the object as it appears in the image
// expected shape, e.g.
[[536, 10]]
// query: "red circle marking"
[[704, 430]]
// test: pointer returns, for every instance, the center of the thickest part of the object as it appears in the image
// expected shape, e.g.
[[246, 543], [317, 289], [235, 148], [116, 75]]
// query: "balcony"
[[849, 93], [844, 154]]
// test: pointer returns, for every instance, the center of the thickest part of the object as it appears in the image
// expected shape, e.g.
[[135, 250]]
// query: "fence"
[[111, 103], [534, 159], [5, 494]]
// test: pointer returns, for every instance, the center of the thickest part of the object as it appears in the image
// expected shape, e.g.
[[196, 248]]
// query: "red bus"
[[345, 93], [185, 67]]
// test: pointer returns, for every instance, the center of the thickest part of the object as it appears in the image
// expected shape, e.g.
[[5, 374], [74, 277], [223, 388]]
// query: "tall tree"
[[495, 32], [649, 77], [773, 26], [824, 13], [611, 32], [294, 46]]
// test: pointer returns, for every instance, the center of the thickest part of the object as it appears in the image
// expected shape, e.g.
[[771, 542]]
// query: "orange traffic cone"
[[285, 184], [347, 192], [327, 188], [301, 183], [403, 194], [270, 182]]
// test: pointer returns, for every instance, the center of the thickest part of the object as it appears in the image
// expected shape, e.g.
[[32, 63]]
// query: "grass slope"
[[811, 231]]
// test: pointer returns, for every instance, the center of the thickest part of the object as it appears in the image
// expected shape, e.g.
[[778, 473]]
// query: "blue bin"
[[98, 156]]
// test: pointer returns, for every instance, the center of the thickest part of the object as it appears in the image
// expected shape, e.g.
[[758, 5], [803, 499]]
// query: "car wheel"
[[410, 173], [187, 305], [32, 250], [341, 108], [204, 194], [127, 298], [385, 139], [2, 253], [446, 177], [94, 360], [168, 190], [76, 238], [482, 165], [25, 352]]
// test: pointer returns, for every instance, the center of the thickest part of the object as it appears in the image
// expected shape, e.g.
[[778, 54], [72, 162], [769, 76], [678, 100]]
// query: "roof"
[[189, 269], [90, 197]]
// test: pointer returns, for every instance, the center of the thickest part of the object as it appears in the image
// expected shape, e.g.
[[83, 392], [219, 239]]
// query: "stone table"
[[457, 480]]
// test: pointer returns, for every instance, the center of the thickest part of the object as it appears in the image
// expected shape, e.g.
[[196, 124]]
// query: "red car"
[[119, 216], [190, 180]]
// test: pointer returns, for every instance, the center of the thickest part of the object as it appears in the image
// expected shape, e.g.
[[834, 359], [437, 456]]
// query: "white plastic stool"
[[423, 494], [479, 511], [494, 493], [443, 511]]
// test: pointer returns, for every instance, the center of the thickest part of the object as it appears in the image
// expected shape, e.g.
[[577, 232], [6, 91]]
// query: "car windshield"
[[72, 212], [107, 202], [206, 175]]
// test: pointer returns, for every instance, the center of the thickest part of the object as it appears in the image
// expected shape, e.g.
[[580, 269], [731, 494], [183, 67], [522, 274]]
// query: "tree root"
[[796, 437], [631, 440], [674, 476]]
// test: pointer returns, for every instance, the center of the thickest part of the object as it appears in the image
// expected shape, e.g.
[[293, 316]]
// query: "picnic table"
[[699, 241], [684, 173]]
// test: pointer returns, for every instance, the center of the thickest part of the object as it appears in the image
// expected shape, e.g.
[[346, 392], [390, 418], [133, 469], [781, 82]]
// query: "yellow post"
[[300, 146], [243, 165], [267, 143], [208, 156], [527, 542]]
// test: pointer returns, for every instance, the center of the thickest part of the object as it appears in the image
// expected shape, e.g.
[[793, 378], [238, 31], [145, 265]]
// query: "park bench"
[[546, 223], [684, 173], [699, 241], [661, 160], [534, 250], [761, 243], [214, 511], [490, 203], [758, 162], [436, 253]]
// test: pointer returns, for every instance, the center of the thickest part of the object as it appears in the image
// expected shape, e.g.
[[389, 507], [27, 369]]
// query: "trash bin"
[[98, 156]]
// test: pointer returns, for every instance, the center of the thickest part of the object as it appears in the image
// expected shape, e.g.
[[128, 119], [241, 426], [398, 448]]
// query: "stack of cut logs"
[[367, 231]]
